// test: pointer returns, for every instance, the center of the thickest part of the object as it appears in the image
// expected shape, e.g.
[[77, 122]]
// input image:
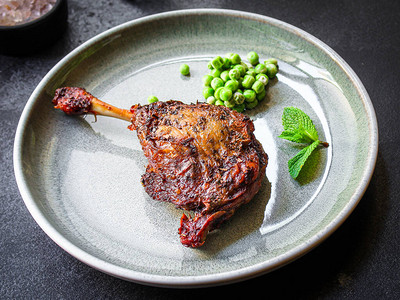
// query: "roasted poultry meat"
[[202, 158]]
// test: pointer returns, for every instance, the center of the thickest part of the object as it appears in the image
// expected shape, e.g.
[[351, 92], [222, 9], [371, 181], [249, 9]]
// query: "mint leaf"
[[298, 127], [297, 162]]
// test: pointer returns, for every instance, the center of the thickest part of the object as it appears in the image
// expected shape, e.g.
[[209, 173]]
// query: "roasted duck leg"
[[202, 158]]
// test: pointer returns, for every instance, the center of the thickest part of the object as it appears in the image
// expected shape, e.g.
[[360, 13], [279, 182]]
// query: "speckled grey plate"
[[80, 179]]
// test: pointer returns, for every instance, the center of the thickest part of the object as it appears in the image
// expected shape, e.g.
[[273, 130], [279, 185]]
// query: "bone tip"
[[72, 100]]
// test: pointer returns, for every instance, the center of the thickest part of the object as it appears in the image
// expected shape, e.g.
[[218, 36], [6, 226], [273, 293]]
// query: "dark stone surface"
[[360, 260]]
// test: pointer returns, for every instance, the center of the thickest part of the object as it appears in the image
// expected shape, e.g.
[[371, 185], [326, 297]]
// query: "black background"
[[360, 260]]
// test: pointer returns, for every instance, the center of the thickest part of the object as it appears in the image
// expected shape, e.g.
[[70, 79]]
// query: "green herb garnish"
[[299, 128]]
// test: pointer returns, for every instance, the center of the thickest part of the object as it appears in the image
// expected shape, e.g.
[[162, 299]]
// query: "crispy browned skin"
[[202, 158]]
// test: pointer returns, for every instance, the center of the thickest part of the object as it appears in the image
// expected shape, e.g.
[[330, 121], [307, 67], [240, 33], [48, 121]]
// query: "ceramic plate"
[[80, 179]]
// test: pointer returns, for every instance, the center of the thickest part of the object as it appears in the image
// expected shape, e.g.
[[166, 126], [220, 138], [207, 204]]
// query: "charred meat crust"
[[73, 101], [202, 158]]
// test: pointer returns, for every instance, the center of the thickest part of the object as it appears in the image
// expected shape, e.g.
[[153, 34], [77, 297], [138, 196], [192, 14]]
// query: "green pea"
[[234, 74], [207, 92], [217, 62], [271, 61], [217, 93], [152, 99], [263, 78], [224, 75], [258, 86], [216, 83], [225, 94], [272, 70], [240, 107], [227, 63], [240, 82], [184, 69], [207, 80], [260, 68], [261, 96], [248, 81], [235, 59], [215, 72], [253, 58], [232, 85], [251, 72], [241, 69], [249, 95], [251, 105], [245, 66], [238, 98], [211, 100], [229, 104]]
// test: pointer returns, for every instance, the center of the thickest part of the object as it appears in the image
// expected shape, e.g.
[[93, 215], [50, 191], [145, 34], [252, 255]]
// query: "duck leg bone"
[[77, 101]]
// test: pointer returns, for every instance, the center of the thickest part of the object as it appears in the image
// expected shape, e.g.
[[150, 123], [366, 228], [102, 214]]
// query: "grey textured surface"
[[359, 261]]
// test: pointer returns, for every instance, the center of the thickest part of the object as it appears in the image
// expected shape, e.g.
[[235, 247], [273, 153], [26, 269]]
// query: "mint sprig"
[[299, 128]]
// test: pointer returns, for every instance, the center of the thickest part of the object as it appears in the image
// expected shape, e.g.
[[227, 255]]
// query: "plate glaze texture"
[[80, 178]]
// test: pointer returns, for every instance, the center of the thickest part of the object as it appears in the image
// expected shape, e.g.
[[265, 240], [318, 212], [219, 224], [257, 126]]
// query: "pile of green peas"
[[231, 82]]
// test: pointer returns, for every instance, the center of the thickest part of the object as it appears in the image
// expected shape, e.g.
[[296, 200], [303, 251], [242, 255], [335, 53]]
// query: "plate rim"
[[215, 278]]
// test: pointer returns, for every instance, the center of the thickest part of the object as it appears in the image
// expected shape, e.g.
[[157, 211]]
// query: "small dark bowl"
[[35, 35]]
